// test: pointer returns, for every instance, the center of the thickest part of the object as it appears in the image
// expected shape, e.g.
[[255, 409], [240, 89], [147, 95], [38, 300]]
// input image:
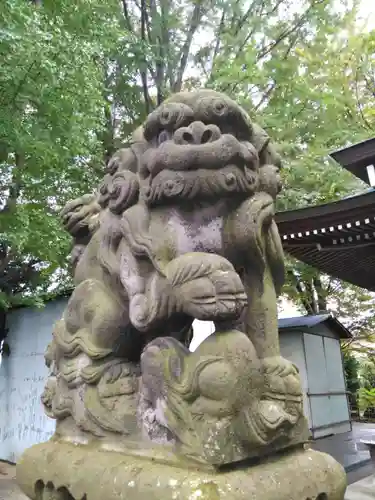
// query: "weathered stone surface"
[[75, 473], [181, 228], [208, 403]]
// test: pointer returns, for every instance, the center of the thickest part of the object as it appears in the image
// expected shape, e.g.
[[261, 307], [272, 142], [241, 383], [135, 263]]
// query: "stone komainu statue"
[[181, 227]]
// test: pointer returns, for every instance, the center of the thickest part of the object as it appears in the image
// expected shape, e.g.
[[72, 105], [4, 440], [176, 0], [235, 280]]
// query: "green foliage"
[[366, 399], [367, 373], [304, 94], [52, 99], [351, 368], [360, 379]]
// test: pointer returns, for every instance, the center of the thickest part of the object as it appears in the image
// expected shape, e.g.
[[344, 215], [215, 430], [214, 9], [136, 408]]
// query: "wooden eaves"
[[336, 238]]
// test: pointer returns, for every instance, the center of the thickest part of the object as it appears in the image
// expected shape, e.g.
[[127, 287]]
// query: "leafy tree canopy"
[[52, 98]]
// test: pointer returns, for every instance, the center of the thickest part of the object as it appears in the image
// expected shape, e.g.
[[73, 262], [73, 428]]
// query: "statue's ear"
[[122, 159], [270, 156], [260, 139], [138, 135]]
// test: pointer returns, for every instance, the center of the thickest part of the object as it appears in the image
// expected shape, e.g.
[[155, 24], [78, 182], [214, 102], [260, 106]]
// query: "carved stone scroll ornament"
[[181, 227]]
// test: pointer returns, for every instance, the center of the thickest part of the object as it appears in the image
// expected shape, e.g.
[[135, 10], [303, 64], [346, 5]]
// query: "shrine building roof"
[[359, 159], [337, 238]]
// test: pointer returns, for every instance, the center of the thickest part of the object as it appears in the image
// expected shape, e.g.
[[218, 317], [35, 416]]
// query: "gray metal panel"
[[323, 331], [325, 376], [339, 408], [339, 428], [303, 321], [335, 370], [321, 411], [316, 364], [329, 410], [328, 323]]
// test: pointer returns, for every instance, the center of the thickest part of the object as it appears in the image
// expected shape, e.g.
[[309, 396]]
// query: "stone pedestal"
[[63, 471]]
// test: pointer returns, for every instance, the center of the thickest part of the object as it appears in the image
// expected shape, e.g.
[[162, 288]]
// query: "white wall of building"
[[4, 410], [22, 379]]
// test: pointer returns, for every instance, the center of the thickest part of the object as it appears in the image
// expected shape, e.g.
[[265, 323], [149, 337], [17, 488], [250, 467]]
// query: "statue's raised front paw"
[[206, 286]]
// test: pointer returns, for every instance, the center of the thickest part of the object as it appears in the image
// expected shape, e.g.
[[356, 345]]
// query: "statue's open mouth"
[[226, 150]]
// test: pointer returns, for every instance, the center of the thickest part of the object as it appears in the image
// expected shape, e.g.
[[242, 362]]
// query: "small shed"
[[313, 344]]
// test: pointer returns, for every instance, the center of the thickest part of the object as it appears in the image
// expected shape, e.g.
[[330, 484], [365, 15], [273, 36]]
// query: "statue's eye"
[[163, 136]]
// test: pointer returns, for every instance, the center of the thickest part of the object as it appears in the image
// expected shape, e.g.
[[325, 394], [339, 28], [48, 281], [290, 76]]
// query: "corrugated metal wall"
[[22, 378]]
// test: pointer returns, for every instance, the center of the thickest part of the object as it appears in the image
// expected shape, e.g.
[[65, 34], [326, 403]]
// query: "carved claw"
[[282, 377], [206, 286], [219, 296]]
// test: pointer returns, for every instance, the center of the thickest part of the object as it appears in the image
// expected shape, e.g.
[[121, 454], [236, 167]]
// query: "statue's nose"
[[197, 133]]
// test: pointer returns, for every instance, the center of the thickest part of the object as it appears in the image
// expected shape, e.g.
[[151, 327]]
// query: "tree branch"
[[5, 257], [157, 22], [359, 106], [129, 24], [218, 39], [143, 71], [320, 292], [193, 26], [288, 31], [242, 20], [15, 185], [265, 96], [302, 295]]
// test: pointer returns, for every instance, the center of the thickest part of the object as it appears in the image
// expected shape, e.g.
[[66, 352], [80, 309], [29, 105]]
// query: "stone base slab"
[[63, 471]]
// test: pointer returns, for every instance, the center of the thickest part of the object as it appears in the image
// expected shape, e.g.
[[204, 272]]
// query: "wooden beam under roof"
[[336, 238]]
